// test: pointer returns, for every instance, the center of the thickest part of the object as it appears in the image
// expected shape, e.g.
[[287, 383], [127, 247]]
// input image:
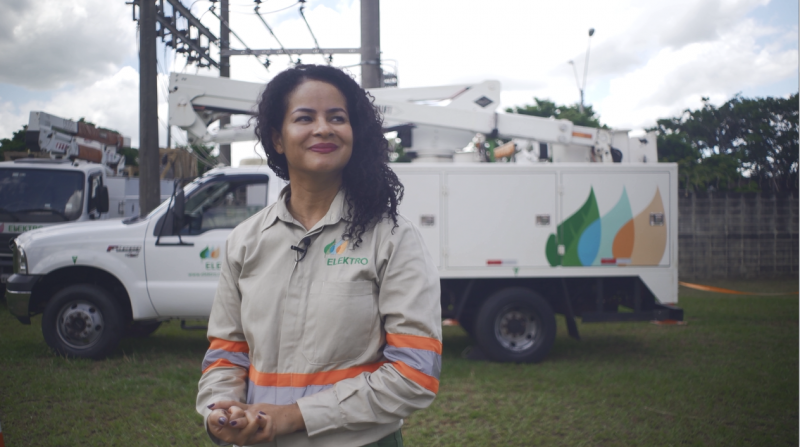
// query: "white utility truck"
[[80, 181], [515, 243]]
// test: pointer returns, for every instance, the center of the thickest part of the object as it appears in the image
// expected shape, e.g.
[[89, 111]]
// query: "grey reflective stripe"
[[237, 358], [427, 362], [280, 395]]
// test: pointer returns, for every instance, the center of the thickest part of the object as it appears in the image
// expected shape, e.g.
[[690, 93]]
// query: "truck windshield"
[[40, 195]]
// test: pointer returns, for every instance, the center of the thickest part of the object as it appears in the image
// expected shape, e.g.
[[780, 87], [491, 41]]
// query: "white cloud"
[[50, 43], [676, 79], [111, 102]]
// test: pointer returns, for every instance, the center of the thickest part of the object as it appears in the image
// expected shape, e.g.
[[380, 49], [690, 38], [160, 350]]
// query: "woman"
[[326, 325]]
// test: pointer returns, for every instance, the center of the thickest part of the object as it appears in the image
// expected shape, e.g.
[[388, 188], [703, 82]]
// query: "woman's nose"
[[323, 127]]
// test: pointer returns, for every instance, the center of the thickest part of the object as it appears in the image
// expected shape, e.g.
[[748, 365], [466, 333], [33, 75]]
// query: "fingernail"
[[261, 412], [211, 406], [222, 420], [233, 423]]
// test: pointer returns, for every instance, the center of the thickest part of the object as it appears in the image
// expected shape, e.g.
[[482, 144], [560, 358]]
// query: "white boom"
[[63, 138], [443, 120]]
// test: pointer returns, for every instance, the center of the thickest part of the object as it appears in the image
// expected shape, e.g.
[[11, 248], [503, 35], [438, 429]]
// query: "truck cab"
[[96, 282], [38, 193]]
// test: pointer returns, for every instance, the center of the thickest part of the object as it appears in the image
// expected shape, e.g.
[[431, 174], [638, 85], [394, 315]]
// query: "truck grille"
[[5, 238]]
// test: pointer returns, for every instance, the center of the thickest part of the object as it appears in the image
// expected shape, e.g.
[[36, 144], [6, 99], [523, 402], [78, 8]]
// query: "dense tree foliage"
[[745, 144]]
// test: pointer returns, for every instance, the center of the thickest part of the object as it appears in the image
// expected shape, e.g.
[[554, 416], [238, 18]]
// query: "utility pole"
[[224, 72], [371, 74], [149, 158]]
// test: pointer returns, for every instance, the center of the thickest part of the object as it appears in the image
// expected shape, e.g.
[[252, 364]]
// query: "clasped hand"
[[244, 424]]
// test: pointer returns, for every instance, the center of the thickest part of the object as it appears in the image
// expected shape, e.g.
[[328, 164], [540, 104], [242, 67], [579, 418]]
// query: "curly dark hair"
[[372, 189]]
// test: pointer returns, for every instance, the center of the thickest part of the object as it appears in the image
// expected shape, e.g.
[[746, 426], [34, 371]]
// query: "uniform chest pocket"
[[340, 316]]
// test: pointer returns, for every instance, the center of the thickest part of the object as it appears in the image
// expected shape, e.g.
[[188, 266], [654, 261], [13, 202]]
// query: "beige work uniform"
[[353, 335]]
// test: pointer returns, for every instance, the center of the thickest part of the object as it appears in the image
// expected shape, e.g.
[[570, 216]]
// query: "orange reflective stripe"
[[731, 292], [230, 346], [414, 342], [301, 380], [221, 363], [422, 379]]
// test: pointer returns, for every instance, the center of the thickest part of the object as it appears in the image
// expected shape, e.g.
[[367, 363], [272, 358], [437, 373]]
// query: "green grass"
[[729, 377]]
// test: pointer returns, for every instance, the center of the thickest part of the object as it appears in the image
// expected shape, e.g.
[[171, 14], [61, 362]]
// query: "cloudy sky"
[[648, 59]]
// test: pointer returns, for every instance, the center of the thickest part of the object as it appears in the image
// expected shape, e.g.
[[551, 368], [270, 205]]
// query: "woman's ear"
[[277, 143]]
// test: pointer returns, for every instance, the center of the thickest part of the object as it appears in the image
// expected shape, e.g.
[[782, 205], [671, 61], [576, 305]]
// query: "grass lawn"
[[729, 377]]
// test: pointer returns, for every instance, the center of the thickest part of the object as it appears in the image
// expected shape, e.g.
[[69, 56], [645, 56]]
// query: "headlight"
[[20, 260]]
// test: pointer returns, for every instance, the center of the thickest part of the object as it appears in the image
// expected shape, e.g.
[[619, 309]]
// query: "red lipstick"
[[323, 148]]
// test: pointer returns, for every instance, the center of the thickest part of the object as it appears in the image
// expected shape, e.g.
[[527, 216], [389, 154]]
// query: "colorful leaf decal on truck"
[[618, 238]]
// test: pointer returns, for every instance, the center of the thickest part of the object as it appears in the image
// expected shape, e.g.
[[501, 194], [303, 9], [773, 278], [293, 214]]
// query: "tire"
[[516, 325], [142, 329], [83, 321]]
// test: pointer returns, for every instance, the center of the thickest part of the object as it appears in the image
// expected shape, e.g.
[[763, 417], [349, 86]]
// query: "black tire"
[[83, 321], [142, 329], [516, 325]]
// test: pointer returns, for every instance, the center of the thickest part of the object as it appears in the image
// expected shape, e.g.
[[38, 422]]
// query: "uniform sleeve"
[[409, 303], [227, 361]]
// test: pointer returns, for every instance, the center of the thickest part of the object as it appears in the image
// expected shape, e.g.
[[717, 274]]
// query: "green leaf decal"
[[569, 233]]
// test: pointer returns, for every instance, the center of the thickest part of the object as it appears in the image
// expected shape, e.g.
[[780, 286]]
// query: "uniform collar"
[[280, 211]]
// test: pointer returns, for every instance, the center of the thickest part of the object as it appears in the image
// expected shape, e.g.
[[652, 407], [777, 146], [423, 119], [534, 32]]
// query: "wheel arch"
[[58, 279], [471, 298]]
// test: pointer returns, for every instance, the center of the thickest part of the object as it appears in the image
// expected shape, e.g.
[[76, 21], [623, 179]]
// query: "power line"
[[271, 32], [211, 10], [316, 44]]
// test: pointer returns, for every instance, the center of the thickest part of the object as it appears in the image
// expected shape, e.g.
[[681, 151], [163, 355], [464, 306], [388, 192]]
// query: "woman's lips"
[[323, 148]]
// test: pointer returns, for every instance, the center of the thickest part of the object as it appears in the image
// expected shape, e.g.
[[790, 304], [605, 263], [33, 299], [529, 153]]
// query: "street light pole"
[[582, 87]]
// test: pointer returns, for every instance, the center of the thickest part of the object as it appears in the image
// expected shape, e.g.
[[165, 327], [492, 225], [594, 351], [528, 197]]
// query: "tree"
[[14, 144], [546, 109], [745, 144]]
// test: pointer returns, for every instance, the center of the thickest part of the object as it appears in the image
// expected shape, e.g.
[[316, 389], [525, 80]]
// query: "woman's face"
[[316, 136]]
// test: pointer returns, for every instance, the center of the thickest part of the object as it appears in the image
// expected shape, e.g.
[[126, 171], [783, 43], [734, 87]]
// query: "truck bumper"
[[18, 296]]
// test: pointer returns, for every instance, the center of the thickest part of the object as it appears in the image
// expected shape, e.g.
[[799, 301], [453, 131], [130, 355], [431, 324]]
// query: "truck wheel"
[[516, 325], [142, 329], [83, 321]]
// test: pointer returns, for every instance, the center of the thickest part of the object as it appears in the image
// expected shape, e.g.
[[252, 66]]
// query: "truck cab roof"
[[54, 164]]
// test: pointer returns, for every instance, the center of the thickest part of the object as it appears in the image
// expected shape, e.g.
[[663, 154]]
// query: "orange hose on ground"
[[729, 291]]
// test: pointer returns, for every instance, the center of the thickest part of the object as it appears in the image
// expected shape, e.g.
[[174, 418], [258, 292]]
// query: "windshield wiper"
[[49, 210], [14, 216]]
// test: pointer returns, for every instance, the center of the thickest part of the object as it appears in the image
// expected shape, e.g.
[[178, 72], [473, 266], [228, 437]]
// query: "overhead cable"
[[316, 44], [227, 25], [272, 33]]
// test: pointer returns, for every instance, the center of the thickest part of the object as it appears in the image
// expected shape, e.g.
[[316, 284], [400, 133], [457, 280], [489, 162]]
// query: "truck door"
[[499, 220], [612, 219], [182, 279], [422, 205]]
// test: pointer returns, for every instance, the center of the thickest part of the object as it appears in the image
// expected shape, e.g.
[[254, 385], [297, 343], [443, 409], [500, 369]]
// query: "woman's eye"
[[304, 118], [339, 119]]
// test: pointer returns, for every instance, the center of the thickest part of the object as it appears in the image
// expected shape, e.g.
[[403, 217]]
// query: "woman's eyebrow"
[[304, 110], [308, 110]]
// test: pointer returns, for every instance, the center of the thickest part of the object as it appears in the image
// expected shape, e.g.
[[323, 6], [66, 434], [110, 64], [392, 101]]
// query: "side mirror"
[[102, 199], [178, 210]]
